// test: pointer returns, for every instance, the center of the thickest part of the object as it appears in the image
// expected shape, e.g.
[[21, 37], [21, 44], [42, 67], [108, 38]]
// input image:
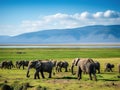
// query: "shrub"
[[5, 87]]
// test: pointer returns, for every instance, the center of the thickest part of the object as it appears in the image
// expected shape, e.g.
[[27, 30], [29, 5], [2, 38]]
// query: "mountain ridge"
[[87, 34]]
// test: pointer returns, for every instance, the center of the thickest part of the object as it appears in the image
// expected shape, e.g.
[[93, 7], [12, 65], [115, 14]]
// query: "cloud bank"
[[61, 21]]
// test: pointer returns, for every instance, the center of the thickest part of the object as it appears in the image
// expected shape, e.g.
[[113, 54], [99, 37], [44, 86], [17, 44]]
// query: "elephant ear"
[[38, 64], [112, 65], [76, 61]]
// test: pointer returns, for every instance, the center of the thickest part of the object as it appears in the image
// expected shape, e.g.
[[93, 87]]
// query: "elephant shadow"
[[103, 79], [65, 77]]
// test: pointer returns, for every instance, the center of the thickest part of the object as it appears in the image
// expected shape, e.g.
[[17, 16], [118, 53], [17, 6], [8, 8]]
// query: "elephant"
[[108, 67], [84, 65], [7, 65], [97, 66], [40, 66], [119, 68], [21, 63], [60, 65]]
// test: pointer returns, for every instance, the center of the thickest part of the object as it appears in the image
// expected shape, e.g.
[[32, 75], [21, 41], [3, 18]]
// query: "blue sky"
[[21, 16]]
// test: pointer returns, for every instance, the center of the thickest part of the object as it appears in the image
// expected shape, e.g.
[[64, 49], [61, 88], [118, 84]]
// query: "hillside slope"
[[88, 34]]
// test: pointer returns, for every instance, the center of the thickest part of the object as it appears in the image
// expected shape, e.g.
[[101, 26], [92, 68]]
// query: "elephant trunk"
[[72, 69], [28, 72]]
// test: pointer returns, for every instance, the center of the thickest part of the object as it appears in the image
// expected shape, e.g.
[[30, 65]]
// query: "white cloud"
[[85, 15], [61, 21], [107, 14], [111, 14], [98, 15]]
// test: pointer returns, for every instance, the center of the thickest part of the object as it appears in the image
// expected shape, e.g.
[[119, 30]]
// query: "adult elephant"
[[84, 65], [60, 65], [97, 66], [108, 67], [40, 66]]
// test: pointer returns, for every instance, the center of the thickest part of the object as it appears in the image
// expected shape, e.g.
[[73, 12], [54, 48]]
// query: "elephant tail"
[[72, 70]]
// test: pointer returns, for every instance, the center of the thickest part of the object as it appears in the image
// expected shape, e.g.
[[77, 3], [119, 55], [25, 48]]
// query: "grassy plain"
[[63, 80]]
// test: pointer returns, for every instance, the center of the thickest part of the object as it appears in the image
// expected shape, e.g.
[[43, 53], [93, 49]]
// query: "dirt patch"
[[112, 84], [54, 81]]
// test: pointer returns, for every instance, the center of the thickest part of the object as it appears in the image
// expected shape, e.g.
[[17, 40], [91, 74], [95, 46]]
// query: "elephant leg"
[[66, 70], [19, 66], [56, 69], [42, 74], [23, 67], [38, 75], [95, 78], [9, 67], [111, 69], [90, 76], [50, 74], [60, 69], [98, 71], [79, 73], [35, 74]]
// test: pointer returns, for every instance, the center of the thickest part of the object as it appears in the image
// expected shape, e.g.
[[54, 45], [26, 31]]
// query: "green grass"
[[38, 53], [63, 80]]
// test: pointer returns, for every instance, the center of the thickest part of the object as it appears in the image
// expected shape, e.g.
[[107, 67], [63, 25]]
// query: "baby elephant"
[[60, 65], [108, 67]]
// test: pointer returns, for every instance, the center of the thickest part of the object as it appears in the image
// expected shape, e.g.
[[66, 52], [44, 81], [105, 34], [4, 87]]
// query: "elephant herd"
[[10, 65], [46, 66], [6, 65], [84, 65]]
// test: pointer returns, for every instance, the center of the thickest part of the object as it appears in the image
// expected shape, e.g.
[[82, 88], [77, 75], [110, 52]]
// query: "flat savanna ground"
[[62, 80]]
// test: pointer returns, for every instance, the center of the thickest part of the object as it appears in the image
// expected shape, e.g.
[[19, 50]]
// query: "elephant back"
[[65, 64], [75, 61], [90, 68], [47, 66], [86, 64]]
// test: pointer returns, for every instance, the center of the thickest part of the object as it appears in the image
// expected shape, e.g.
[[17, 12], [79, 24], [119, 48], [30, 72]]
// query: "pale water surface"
[[61, 46]]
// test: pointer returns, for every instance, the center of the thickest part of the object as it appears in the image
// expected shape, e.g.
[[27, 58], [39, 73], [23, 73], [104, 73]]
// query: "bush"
[[40, 88], [6, 87], [22, 86]]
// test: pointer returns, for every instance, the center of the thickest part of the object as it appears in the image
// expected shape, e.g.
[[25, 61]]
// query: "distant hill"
[[88, 34]]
